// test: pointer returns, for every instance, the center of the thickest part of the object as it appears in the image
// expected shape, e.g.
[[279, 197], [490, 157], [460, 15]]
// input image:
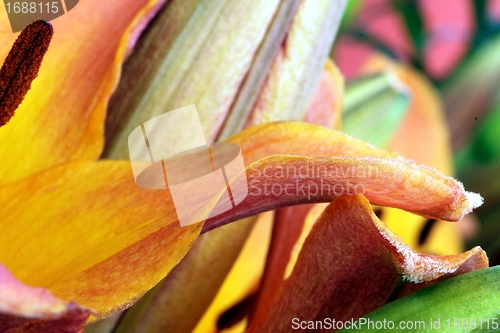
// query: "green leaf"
[[350, 12], [466, 303], [482, 149], [374, 107], [485, 142], [472, 91], [480, 8], [410, 13]]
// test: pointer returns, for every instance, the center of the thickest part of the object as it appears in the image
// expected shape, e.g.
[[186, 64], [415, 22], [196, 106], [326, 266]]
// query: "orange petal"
[[302, 139], [326, 106], [283, 180], [27, 309], [350, 265], [308, 224], [91, 234], [424, 123], [326, 110], [61, 118]]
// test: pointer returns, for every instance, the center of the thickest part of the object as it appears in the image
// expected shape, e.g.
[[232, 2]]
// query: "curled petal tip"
[[475, 200], [466, 203]]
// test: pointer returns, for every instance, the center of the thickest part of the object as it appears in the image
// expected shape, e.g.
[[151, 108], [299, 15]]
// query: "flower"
[[82, 229]]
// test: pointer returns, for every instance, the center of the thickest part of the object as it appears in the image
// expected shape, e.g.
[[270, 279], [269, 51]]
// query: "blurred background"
[[455, 45]]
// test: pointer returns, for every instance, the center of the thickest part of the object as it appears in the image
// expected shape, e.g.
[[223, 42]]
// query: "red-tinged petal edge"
[[351, 264], [27, 309]]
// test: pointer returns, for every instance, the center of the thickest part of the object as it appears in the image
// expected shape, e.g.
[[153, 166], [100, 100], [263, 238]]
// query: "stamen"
[[21, 67]]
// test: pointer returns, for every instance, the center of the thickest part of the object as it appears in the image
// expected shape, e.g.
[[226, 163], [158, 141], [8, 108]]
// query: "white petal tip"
[[474, 199]]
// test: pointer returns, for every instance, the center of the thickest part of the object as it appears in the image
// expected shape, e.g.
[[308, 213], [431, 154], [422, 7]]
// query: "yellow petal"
[[88, 233], [61, 118]]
